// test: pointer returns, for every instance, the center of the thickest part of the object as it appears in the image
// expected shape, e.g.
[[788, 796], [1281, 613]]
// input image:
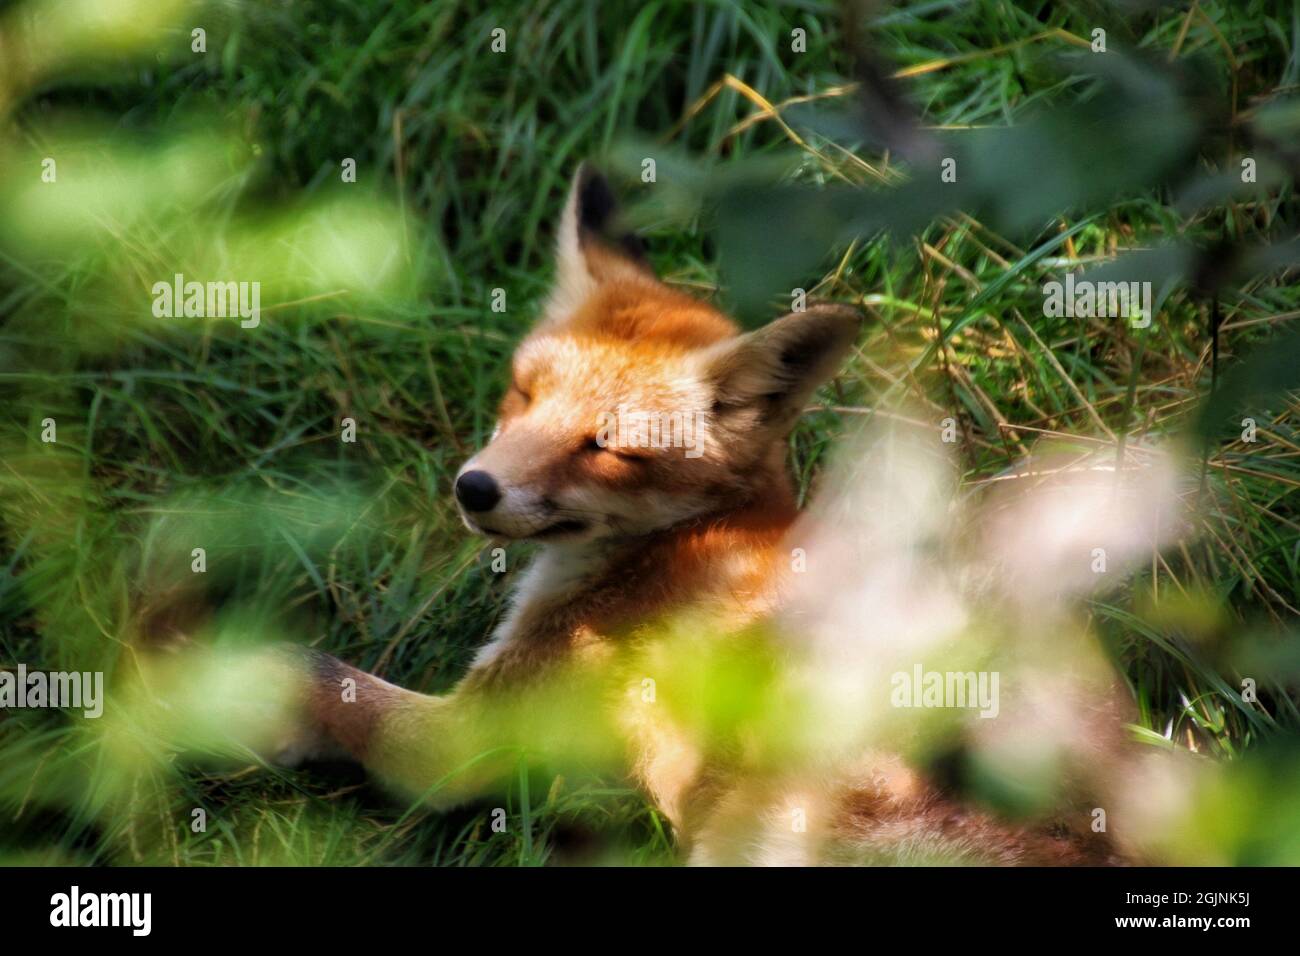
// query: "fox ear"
[[775, 369], [590, 249]]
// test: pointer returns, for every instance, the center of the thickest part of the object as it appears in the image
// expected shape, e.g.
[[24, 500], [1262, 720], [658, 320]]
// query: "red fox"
[[685, 509]]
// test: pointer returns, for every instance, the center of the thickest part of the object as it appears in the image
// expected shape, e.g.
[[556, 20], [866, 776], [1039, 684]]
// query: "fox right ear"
[[772, 371], [590, 249]]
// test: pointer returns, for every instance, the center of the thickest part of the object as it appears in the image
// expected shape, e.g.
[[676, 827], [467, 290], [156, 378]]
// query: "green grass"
[[173, 436]]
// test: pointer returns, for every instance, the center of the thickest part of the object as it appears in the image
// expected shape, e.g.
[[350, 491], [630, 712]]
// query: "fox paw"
[[302, 746]]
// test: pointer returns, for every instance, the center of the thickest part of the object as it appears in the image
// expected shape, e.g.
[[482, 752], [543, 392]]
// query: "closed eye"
[[593, 445]]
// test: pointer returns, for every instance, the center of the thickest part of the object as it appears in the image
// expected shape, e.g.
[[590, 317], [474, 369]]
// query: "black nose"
[[477, 491]]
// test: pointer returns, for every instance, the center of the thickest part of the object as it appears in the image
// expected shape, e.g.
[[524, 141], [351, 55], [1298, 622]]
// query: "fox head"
[[633, 407]]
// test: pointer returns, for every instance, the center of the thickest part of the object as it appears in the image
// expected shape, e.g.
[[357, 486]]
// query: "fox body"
[[638, 532]]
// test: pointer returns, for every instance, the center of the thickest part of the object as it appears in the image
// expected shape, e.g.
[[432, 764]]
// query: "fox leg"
[[425, 746], [446, 749]]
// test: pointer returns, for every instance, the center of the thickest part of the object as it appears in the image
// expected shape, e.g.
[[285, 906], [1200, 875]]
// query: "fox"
[[635, 532]]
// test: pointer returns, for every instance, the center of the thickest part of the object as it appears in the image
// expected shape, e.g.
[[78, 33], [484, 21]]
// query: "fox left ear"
[[774, 370], [590, 248]]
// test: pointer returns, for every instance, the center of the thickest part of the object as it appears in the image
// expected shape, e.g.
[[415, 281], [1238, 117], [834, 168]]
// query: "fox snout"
[[478, 493], [490, 505], [502, 505]]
